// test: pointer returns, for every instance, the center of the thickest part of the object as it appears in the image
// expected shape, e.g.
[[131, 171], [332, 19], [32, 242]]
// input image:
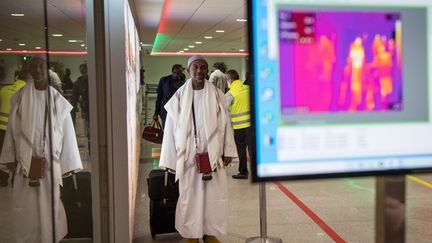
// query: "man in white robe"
[[202, 207], [28, 136]]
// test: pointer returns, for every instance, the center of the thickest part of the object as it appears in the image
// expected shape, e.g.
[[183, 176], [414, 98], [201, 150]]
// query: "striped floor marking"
[[329, 231], [418, 180]]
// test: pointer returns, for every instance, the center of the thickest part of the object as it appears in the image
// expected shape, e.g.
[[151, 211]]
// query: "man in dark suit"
[[168, 85]]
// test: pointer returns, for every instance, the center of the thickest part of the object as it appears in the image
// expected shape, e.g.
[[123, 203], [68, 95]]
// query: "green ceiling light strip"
[[160, 41]]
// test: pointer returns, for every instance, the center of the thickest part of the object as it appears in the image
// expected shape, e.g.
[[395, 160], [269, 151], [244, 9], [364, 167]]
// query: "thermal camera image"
[[340, 61]]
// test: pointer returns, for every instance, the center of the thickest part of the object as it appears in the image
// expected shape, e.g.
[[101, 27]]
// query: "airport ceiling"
[[22, 21], [167, 26]]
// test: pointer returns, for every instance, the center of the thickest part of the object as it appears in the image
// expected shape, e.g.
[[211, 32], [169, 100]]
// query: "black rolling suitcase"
[[163, 193], [77, 201]]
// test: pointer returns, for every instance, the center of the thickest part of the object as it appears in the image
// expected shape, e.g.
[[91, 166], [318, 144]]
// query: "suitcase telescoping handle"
[[165, 184], [166, 178], [75, 182]]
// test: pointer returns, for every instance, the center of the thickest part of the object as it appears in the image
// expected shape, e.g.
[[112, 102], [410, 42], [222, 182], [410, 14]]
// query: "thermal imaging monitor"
[[340, 89]]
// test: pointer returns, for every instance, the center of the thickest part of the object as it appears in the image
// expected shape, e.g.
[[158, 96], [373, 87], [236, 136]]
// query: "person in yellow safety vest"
[[6, 94], [238, 101]]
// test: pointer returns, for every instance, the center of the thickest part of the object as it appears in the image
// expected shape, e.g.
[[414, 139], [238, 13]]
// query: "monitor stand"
[[263, 220]]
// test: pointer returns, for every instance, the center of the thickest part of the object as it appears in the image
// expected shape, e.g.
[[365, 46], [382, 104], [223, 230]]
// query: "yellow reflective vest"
[[240, 108], [6, 94]]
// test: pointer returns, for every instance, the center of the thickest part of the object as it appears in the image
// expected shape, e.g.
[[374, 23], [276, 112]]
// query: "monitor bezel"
[[255, 177]]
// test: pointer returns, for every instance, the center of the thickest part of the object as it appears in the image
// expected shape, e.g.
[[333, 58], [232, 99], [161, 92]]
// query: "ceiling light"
[[72, 41], [21, 44], [186, 49], [57, 35], [82, 44], [37, 47], [220, 31], [208, 37], [198, 42], [241, 20], [1, 40], [17, 14], [181, 51], [241, 49], [8, 49], [191, 46]]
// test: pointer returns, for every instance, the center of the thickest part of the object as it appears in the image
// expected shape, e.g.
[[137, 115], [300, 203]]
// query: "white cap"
[[39, 56], [194, 58]]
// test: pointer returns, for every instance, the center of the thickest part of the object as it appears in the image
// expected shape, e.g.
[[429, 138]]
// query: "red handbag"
[[154, 132], [203, 163]]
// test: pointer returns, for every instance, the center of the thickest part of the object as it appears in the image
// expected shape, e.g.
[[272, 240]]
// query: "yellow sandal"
[[210, 239]]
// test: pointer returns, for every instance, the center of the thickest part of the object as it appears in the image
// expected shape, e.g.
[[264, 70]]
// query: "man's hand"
[[227, 160], [67, 174], [12, 166]]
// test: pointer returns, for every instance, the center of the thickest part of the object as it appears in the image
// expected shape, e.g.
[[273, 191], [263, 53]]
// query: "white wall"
[[159, 66]]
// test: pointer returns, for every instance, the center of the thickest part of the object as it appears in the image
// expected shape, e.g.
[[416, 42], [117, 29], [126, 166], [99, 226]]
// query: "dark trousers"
[[242, 140], [3, 175]]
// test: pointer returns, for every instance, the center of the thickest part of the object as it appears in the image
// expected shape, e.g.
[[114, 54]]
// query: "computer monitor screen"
[[340, 89]]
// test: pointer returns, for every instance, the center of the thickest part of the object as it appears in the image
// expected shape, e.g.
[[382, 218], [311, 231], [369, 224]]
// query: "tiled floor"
[[346, 206]]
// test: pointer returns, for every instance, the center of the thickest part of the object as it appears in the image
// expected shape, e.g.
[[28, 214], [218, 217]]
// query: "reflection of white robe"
[[32, 205], [202, 207]]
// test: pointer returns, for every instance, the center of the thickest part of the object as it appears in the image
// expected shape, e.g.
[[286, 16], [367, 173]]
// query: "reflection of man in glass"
[[80, 95], [27, 140]]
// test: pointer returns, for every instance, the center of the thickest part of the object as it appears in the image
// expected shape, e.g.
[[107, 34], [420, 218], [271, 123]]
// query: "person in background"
[[67, 83], [55, 79], [198, 122], [168, 85], [142, 76], [218, 77], [27, 143], [16, 73], [6, 94], [247, 80], [3, 74], [80, 95], [238, 102]]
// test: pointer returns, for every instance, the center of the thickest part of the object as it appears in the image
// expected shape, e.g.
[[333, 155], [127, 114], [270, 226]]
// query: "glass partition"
[[45, 167]]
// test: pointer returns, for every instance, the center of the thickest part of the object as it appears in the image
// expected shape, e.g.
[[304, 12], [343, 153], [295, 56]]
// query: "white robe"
[[202, 207], [32, 205], [219, 79]]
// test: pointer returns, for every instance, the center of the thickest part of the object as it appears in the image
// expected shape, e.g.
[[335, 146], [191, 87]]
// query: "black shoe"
[[4, 178], [3, 183], [240, 176], [207, 176]]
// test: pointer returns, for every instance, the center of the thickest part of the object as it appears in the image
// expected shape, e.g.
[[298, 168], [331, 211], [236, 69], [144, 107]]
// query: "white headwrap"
[[194, 58], [39, 56]]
